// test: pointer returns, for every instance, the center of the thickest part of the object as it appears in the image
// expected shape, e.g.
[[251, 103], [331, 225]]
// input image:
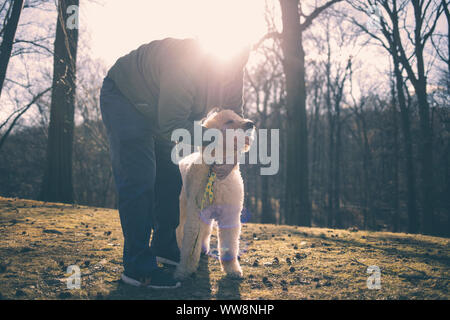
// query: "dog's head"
[[230, 123]]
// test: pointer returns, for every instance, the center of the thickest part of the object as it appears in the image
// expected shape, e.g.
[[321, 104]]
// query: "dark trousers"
[[148, 183]]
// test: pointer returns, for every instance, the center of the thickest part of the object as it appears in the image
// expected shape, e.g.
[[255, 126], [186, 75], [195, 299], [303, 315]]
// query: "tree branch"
[[309, 19], [25, 109], [270, 35]]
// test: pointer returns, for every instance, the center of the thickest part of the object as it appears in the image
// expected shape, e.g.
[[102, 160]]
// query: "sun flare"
[[223, 27], [226, 27]]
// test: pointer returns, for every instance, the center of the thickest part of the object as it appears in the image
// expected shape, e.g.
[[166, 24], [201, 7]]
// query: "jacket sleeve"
[[176, 99]]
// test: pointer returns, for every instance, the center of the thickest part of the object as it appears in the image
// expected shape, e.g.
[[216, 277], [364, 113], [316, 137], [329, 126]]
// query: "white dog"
[[194, 231]]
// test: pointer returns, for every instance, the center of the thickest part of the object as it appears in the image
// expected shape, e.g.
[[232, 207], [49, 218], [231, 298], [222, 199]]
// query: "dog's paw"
[[205, 251], [184, 271], [235, 275], [232, 269], [181, 274]]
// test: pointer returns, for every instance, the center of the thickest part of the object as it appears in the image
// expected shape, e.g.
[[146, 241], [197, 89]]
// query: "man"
[[148, 93]]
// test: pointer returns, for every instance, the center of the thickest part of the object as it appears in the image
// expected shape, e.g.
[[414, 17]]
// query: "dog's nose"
[[249, 125]]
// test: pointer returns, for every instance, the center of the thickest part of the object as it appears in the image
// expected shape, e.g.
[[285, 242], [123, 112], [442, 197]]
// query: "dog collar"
[[208, 195]]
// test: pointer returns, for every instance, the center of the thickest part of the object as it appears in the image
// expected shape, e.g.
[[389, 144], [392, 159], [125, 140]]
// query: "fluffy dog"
[[194, 231]]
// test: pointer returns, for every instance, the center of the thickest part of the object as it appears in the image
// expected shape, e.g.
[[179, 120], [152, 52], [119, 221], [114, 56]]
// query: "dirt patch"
[[39, 241]]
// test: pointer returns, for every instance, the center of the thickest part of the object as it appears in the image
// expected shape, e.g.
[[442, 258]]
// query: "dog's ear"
[[210, 114], [213, 111]]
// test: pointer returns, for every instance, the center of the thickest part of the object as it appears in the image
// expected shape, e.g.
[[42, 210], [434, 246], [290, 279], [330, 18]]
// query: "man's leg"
[[134, 165], [167, 213]]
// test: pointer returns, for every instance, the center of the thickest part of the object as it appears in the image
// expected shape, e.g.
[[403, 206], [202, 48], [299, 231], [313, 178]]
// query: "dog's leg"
[[183, 204], [229, 250], [191, 245], [206, 230]]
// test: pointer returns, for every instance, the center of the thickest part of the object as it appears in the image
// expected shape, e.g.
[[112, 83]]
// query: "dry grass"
[[39, 240]]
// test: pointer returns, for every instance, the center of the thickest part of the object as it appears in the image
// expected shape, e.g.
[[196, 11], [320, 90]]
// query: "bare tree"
[[262, 82], [389, 44], [316, 96], [11, 121], [394, 29], [26, 80], [297, 203], [445, 58], [57, 183], [8, 33], [334, 95]]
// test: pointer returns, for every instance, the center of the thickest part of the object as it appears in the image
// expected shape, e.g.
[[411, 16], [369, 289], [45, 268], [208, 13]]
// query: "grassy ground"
[[38, 241]]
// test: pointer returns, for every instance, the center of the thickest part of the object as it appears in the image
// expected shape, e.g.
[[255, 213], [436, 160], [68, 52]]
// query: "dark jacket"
[[173, 83]]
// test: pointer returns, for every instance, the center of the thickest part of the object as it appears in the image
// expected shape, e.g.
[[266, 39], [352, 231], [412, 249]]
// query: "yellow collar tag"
[[208, 195]]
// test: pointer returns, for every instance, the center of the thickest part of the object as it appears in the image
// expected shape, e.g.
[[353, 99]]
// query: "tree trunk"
[[9, 33], [330, 183], [297, 205], [315, 145], [395, 182], [413, 221], [337, 168], [426, 141], [367, 166], [426, 155], [447, 61], [266, 207], [57, 183], [331, 146], [419, 83]]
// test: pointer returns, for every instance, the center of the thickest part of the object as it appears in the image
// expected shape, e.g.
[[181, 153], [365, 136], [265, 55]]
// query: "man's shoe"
[[173, 259], [164, 246], [157, 279], [168, 255]]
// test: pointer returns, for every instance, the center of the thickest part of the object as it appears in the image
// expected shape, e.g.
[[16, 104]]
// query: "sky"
[[116, 26], [112, 28]]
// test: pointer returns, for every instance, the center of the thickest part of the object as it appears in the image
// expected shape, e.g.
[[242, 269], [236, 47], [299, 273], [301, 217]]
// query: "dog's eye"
[[229, 122]]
